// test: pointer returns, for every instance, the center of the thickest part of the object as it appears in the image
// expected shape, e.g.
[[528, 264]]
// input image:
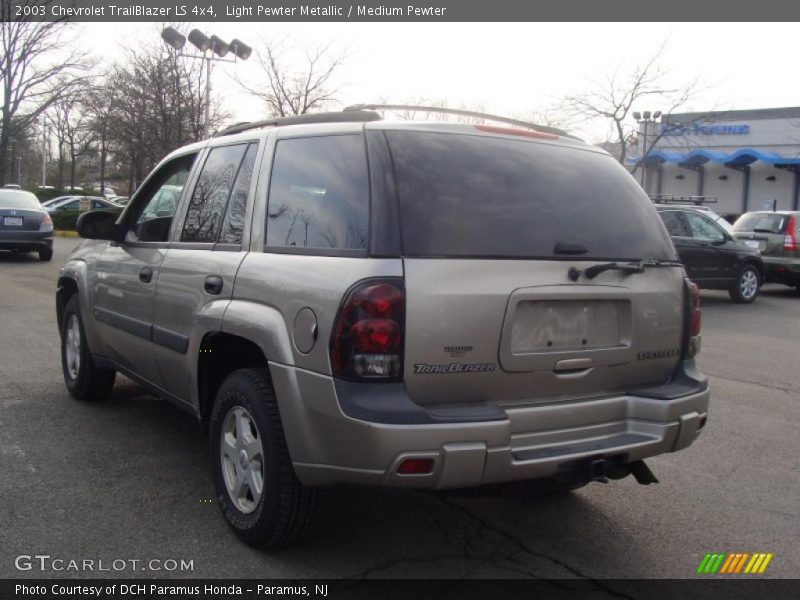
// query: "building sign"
[[705, 129]]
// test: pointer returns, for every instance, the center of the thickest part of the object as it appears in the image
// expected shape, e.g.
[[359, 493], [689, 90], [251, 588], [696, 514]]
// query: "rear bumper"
[[329, 447], [782, 270], [26, 240]]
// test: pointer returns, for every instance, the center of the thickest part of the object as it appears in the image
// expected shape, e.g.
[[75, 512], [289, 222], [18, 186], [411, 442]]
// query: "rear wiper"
[[595, 270], [630, 267]]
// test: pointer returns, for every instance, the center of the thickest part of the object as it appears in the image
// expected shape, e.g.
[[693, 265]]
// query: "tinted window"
[[319, 194], [233, 224], [12, 199], [154, 208], [763, 222], [463, 195], [703, 229], [674, 223], [210, 197]]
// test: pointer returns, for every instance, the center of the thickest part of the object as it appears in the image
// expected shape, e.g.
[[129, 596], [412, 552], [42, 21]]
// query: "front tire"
[[748, 283], [46, 254], [84, 380], [255, 483]]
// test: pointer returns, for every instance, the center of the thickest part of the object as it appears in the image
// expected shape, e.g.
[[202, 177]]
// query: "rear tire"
[[45, 254], [248, 452], [748, 283], [84, 380]]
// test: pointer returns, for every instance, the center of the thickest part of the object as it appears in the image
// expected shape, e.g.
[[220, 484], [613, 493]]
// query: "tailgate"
[[517, 332]]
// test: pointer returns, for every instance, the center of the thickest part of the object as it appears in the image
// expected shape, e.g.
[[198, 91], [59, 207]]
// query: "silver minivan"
[[343, 299]]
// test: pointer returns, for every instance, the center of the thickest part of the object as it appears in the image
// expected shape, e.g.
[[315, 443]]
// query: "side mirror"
[[97, 225]]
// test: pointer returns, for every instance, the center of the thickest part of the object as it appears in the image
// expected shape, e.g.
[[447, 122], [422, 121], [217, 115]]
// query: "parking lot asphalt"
[[129, 478]]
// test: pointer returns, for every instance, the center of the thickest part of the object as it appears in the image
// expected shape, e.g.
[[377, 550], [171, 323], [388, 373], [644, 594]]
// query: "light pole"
[[643, 119], [44, 152], [208, 46]]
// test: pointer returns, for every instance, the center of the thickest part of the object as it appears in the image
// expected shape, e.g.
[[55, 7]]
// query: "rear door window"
[[233, 225], [319, 194], [675, 223], [487, 197], [703, 229], [210, 197]]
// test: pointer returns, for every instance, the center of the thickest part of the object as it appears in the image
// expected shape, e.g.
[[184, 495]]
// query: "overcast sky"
[[511, 68]]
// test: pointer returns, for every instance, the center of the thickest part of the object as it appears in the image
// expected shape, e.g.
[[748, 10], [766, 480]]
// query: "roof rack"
[[356, 116], [672, 199], [463, 113]]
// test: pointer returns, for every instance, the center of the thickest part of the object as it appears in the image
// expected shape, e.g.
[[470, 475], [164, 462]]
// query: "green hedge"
[[64, 220]]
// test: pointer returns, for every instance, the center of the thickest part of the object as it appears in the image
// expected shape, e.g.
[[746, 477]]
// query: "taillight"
[[47, 222], [367, 340], [790, 240], [691, 345]]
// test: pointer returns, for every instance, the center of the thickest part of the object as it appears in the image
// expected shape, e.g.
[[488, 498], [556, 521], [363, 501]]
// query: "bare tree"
[[287, 91], [613, 100], [159, 100], [73, 131], [30, 82]]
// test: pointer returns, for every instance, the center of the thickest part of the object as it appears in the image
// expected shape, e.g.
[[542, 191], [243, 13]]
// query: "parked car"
[[12, 186], [24, 225], [121, 200], [529, 320], [57, 200], [74, 203], [775, 235], [713, 258]]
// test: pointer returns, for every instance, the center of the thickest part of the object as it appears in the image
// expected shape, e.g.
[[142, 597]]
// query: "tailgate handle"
[[571, 365]]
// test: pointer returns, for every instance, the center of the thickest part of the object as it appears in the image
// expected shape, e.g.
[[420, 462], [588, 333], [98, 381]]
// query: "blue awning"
[[740, 158]]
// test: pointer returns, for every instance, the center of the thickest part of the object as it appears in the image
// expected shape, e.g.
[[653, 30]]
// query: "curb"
[[66, 233]]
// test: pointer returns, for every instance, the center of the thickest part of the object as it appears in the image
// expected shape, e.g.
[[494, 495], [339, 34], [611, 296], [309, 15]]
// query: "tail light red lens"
[[790, 239], [47, 222], [691, 345], [368, 335]]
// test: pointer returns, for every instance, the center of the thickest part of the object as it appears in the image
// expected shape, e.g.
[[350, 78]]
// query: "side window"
[[703, 229], [233, 224], [151, 215], [210, 197], [675, 223], [319, 194]]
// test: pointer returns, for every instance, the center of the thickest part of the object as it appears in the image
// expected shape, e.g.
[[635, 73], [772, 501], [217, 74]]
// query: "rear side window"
[[675, 223], [479, 196], [762, 222], [210, 197], [319, 194]]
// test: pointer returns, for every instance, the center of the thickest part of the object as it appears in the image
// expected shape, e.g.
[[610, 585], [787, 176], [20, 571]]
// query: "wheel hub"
[[242, 459]]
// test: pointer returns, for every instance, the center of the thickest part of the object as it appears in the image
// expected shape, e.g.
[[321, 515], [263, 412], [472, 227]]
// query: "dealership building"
[[746, 159]]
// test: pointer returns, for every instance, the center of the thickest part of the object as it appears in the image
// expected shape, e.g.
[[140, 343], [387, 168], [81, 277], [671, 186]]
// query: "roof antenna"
[[774, 205]]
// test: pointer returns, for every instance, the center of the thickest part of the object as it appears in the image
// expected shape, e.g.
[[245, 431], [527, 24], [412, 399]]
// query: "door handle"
[[213, 285], [146, 275]]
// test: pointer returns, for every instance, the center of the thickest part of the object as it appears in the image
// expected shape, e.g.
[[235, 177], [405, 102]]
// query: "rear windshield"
[[24, 200], [479, 196], [761, 222]]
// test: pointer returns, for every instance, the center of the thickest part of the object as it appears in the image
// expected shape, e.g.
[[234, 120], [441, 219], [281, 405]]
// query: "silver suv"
[[340, 299]]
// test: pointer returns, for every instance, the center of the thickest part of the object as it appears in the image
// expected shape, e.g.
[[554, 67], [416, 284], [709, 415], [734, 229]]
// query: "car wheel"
[[748, 283], [84, 380], [255, 483], [46, 254]]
